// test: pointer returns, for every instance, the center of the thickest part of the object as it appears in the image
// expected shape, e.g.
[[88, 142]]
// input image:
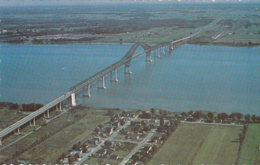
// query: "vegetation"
[[199, 144], [250, 150], [143, 23], [56, 137]]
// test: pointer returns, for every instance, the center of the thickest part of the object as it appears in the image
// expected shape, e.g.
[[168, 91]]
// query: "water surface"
[[214, 78]]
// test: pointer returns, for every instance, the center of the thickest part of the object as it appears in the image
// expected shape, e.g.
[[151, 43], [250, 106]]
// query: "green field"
[[8, 117], [199, 144], [250, 151]]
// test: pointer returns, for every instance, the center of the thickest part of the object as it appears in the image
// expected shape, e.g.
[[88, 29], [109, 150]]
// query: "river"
[[192, 77]]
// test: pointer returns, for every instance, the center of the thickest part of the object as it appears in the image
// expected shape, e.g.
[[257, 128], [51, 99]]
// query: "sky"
[[54, 2]]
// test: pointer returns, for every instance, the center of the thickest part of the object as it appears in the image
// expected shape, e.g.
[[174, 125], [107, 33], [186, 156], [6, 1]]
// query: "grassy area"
[[199, 144], [8, 117], [250, 152], [57, 137]]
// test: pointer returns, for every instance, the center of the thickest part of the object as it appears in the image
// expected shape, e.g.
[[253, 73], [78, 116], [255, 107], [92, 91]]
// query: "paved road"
[[220, 124], [125, 141], [125, 160]]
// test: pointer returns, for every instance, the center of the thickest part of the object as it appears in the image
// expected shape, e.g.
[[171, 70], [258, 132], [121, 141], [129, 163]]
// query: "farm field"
[[200, 144], [250, 153]]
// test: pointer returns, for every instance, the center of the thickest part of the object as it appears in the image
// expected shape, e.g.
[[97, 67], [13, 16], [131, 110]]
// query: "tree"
[[222, 116], [108, 143], [239, 116], [210, 115], [164, 137], [165, 113], [146, 128], [161, 122], [14, 106], [184, 114], [153, 111], [159, 129], [112, 119], [197, 115], [135, 157], [253, 118], [247, 118], [63, 156], [258, 119], [76, 155], [100, 126], [110, 113], [75, 147], [190, 112]]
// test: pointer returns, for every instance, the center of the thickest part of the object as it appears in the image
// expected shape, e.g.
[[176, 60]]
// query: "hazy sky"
[[33, 2]]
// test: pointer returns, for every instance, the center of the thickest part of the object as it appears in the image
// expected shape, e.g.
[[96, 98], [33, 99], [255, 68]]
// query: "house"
[[97, 138], [109, 130], [147, 149], [116, 157], [73, 153], [103, 135], [116, 124], [64, 161], [117, 144], [153, 121], [125, 132], [135, 137], [190, 118], [101, 152], [93, 141], [84, 148]]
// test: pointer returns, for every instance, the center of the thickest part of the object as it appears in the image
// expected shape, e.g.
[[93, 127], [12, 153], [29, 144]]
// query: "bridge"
[[156, 50]]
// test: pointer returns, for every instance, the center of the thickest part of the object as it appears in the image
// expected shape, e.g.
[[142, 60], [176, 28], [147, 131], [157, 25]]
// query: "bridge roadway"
[[126, 59]]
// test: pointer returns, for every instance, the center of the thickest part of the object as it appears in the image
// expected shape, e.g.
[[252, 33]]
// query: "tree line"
[[24, 107]]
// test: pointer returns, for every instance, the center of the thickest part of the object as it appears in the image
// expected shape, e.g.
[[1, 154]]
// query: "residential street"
[[125, 160], [93, 151]]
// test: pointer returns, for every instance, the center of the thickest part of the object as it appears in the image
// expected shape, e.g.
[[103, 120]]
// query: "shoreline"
[[116, 42]]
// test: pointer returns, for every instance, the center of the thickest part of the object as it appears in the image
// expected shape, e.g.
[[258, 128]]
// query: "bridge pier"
[[58, 107], [18, 131], [111, 76], [103, 83], [47, 115], [129, 70], [148, 57], [88, 95], [169, 48], [73, 99], [1, 142], [156, 53], [32, 122]]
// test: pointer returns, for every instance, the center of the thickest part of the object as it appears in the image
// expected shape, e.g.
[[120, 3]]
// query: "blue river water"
[[192, 77]]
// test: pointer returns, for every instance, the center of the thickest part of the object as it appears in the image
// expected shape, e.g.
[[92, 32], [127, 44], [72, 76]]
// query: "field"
[[8, 117], [199, 144], [47, 144], [250, 152], [235, 24]]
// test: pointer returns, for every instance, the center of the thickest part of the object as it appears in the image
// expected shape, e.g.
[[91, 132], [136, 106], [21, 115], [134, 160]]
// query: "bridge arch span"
[[131, 52]]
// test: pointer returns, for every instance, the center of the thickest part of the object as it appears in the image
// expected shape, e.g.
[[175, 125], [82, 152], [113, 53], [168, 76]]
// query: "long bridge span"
[[155, 50]]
